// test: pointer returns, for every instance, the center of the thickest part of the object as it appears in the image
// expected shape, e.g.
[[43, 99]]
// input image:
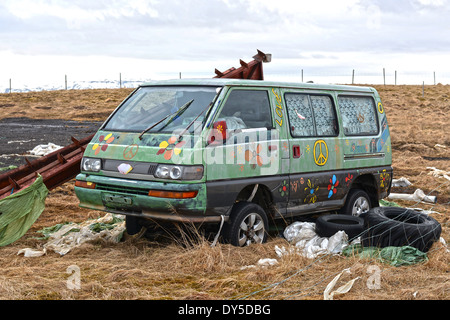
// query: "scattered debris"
[[395, 256], [327, 295], [401, 182], [418, 195], [308, 244], [20, 210], [439, 173], [44, 149], [65, 237]]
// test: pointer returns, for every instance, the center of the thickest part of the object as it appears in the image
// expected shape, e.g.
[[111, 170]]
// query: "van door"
[[243, 147], [315, 151]]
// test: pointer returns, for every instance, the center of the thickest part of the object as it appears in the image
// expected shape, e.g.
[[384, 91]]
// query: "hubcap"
[[360, 206], [251, 230]]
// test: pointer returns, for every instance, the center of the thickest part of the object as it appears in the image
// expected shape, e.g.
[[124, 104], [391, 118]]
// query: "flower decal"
[[311, 189], [332, 187], [252, 156], [348, 179], [170, 147], [284, 189], [103, 143], [384, 179]]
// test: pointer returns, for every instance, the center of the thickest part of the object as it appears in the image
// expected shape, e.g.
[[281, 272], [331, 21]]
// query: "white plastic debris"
[[308, 244], [418, 195], [327, 295], [110, 229], [31, 253], [44, 149], [401, 182], [267, 262], [439, 173]]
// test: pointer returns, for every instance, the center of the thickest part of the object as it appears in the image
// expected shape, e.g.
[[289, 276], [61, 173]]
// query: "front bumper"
[[130, 197]]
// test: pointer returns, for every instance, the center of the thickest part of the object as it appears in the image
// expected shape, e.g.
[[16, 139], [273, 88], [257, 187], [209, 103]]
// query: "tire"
[[328, 225], [393, 226], [357, 203], [132, 225], [248, 224]]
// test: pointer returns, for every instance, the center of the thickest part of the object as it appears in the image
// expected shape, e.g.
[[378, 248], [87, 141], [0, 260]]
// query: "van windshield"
[[149, 105]]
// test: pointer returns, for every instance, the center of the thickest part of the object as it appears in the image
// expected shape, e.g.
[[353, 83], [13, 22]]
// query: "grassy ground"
[[173, 268]]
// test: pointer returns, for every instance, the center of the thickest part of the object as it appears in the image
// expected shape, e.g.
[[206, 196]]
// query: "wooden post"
[[384, 76], [65, 77], [10, 87], [120, 80], [395, 77], [180, 75], [423, 89], [434, 76], [353, 76], [302, 75]]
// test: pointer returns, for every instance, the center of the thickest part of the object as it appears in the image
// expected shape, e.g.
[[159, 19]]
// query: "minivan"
[[238, 153]]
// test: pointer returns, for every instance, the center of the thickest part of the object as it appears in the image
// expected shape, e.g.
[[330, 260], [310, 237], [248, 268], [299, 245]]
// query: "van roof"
[[256, 83]]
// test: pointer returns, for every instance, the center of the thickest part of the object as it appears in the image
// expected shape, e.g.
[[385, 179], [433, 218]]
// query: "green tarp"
[[20, 210], [395, 256]]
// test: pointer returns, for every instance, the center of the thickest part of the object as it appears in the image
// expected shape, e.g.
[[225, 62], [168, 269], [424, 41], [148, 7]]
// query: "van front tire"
[[357, 203], [248, 224]]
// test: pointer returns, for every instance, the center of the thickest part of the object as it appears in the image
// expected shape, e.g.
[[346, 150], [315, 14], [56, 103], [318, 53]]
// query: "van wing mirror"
[[218, 133]]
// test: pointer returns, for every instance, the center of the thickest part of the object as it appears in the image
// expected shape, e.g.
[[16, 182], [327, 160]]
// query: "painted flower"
[[311, 189], [332, 187], [284, 189], [252, 156], [348, 179], [384, 179], [170, 147], [103, 143]]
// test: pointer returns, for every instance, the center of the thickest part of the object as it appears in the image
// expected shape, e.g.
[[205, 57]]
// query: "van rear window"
[[359, 116], [311, 115]]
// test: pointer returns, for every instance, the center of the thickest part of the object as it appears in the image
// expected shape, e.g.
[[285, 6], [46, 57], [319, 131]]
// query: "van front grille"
[[121, 189]]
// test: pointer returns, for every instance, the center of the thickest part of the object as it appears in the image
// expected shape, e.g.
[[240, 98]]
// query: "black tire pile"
[[384, 227]]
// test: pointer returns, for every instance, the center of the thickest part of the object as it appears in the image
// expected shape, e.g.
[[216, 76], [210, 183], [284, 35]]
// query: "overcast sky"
[[158, 38]]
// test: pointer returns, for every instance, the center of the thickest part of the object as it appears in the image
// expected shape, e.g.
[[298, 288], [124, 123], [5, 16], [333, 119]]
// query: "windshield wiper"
[[193, 121], [172, 116]]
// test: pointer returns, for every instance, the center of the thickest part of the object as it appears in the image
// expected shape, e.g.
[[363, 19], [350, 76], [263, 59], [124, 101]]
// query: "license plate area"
[[116, 200]]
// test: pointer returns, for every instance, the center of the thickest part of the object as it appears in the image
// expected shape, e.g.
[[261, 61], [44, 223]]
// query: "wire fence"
[[381, 77]]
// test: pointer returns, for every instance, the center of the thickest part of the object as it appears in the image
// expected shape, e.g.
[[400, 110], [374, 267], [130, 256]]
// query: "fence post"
[[120, 80], [423, 89], [434, 76], [353, 76], [395, 77], [384, 76], [302, 75], [65, 80], [10, 87]]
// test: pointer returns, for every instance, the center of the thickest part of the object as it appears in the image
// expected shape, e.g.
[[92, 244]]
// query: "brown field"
[[175, 269]]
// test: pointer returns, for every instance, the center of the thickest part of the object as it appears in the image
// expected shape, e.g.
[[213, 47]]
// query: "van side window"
[[359, 115], [245, 109], [311, 115]]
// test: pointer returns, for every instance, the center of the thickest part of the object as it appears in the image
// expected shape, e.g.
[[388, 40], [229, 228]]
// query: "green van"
[[238, 153]]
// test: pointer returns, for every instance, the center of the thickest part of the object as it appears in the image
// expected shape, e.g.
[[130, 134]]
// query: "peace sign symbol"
[[130, 151], [320, 152]]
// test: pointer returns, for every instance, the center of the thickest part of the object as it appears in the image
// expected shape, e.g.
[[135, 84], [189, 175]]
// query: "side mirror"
[[218, 133]]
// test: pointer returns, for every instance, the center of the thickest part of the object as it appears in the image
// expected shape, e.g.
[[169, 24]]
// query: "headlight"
[[165, 171], [93, 165]]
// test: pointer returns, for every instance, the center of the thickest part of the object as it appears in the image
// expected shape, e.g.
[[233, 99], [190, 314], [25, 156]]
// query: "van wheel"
[[248, 224], [357, 203]]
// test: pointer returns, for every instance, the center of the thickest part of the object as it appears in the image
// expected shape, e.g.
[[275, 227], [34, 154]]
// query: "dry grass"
[[180, 269]]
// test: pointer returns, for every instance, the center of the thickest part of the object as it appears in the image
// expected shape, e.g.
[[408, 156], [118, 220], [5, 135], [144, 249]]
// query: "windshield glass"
[[148, 105]]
